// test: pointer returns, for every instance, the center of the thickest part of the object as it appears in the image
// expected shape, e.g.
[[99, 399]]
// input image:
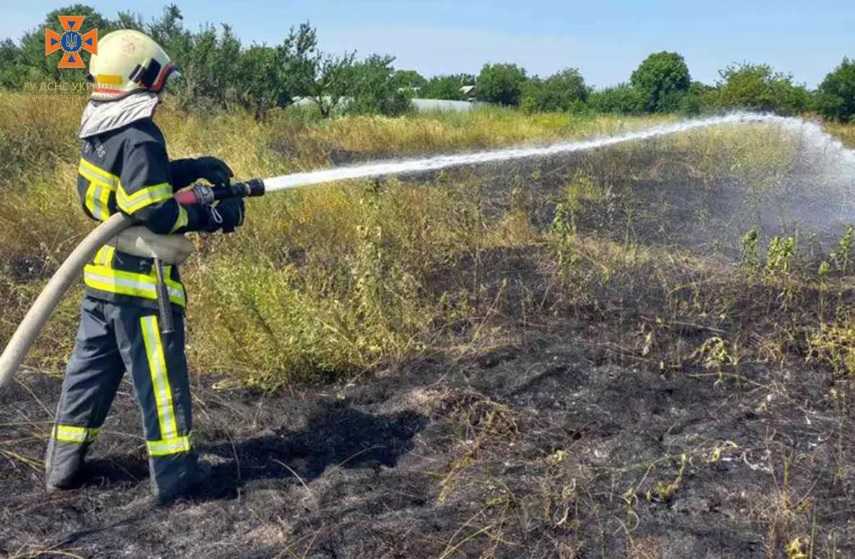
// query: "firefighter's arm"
[[146, 192]]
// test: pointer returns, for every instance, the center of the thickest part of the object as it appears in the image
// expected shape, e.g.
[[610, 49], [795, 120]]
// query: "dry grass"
[[846, 132], [343, 278], [608, 364]]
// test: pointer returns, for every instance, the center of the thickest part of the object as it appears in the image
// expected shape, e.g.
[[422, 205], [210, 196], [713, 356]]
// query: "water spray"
[[35, 319]]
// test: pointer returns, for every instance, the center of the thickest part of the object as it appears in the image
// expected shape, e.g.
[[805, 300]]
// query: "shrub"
[[216, 71], [662, 80], [758, 87], [374, 89], [446, 87], [696, 100], [836, 94], [501, 83], [409, 79], [621, 99], [563, 91]]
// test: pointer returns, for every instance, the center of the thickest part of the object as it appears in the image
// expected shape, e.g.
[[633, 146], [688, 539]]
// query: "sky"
[[605, 39]]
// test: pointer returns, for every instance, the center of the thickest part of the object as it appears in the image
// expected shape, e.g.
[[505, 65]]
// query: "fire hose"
[[68, 273]]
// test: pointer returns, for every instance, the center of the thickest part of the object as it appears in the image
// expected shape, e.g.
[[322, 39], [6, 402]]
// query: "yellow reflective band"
[[97, 199], [159, 380], [101, 185], [120, 282], [97, 174], [74, 434], [104, 256], [95, 202], [144, 197], [89, 200], [104, 200], [110, 79], [182, 220], [165, 447]]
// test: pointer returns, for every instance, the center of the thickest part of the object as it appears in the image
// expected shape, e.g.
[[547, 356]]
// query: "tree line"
[[218, 71]]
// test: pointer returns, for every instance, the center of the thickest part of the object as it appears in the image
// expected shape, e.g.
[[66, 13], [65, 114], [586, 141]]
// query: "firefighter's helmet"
[[127, 61]]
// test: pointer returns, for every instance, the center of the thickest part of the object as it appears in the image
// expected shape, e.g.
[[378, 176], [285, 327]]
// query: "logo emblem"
[[72, 42]]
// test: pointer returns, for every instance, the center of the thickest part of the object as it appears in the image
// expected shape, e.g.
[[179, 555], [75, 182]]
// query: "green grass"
[[345, 278]]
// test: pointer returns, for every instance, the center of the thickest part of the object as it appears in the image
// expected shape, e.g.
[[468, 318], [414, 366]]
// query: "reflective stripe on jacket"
[[128, 170]]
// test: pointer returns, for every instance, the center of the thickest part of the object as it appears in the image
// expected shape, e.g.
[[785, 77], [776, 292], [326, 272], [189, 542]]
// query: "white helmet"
[[127, 61]]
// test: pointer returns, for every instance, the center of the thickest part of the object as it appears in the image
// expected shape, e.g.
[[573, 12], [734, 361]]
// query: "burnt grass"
[[550, 427], [558, 444]]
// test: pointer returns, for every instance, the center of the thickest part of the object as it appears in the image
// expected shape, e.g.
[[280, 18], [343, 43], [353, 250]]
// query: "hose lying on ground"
[[23, 338]]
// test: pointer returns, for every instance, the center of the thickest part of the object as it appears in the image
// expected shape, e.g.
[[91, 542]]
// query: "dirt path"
[[554, 447]]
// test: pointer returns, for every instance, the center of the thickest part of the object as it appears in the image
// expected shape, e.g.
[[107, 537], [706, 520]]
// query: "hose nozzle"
[[252, 187], [201, 194]]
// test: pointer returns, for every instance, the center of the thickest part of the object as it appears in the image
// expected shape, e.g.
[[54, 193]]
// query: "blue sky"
[[606, 39]]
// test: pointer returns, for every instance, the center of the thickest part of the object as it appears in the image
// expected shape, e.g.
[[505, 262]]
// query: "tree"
[[374, 89], [409, 79], [259, 85], [169, 31], [835, 97], [620, 99], [270, 77], [327, 80], [697, 99], [563, 91], [662, 79], [128, 20], [217, 71], [12, 69], [210, 66], [501, 83], [446, 87], [758, 87]]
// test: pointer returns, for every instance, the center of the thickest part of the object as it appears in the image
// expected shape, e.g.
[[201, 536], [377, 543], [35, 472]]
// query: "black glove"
[[208, 218], [231, 211], [213, 170]]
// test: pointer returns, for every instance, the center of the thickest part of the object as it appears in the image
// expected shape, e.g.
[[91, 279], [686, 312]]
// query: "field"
[[644, 351]]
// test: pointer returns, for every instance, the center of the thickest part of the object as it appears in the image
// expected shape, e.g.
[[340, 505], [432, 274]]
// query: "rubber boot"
[[178, 478]]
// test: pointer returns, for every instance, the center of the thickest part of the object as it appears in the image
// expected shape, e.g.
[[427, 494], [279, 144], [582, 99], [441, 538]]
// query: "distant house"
[[420, 105], [442, 105], [468, 91]]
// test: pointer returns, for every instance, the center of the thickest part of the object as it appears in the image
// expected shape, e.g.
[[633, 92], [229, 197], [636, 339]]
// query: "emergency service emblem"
[[72, 42]]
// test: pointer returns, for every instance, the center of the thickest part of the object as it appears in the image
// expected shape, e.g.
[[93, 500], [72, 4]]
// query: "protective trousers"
[[113, 338]]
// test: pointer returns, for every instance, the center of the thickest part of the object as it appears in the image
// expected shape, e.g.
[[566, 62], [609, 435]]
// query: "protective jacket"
[[124, 167]]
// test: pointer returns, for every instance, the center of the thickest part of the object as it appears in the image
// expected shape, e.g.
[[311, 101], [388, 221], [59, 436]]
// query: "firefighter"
[[124, 167]]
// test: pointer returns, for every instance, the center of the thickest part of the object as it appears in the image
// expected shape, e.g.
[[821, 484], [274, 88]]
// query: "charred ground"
[[555, 445]]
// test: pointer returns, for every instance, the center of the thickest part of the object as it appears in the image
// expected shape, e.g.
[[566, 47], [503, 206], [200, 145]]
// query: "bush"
[[446, 87], [662, 80], [216, 71], [501, 83], [835, 97], [696, 100], [563, 91], [757, 87], [374, 88], [409, 79], [620, 99]]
